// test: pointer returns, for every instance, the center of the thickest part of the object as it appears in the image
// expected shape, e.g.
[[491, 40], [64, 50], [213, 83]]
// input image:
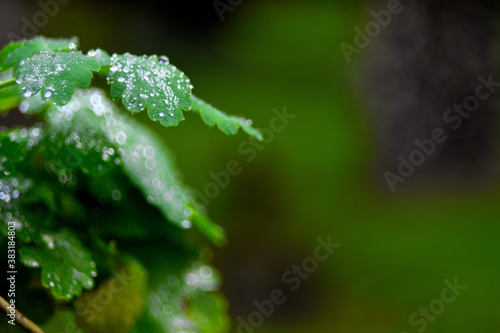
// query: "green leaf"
[[227, 124], [74, 145], [149, 166], [56, 75], [11, 96], [91, 135], [67, 266], [152, 83], [12, 54]]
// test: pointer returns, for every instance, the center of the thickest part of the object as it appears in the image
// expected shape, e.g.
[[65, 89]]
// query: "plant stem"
[[24, 322], [7, 83]]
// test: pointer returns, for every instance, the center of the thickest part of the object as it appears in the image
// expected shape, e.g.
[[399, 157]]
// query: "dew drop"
[[176, 190], [23, 108], [150, 164], [192, 279], [121, 138], [163, 60], [149, 152], [206, 272], [168, 196], [117, 195], [63, 178], [168, 310], [186, 224]]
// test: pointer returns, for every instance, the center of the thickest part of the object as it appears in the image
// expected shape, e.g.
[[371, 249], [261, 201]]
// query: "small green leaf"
[[152, 83], [12, 54], [67, 266], [227, 124], [56, 75]]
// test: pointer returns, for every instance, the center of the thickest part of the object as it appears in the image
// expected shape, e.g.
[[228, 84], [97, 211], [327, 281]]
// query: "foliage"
[[95, 196]]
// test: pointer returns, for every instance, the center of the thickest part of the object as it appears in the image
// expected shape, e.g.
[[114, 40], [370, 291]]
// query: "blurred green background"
[[315, 178]]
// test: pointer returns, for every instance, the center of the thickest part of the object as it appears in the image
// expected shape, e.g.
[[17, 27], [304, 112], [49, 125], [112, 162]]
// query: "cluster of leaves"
[[95, 197]]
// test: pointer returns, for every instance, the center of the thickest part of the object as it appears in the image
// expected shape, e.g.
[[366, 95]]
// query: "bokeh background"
[[320, 176]]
